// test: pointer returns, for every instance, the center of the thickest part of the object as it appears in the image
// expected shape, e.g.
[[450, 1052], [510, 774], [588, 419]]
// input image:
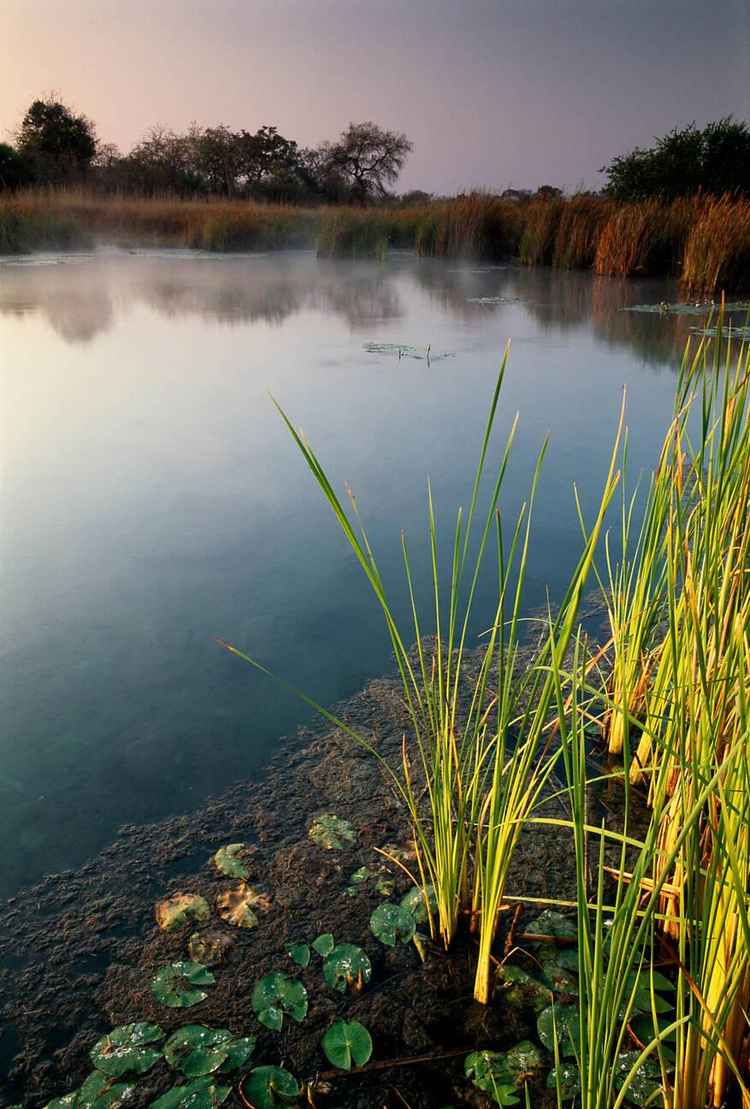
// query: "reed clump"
[[648, 237], [717, 252], [472, 226]]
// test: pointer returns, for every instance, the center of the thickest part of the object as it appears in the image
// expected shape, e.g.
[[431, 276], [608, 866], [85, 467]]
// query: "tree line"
[[54, 146]]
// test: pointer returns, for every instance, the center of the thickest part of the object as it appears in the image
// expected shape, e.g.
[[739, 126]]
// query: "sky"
[[492, 93]]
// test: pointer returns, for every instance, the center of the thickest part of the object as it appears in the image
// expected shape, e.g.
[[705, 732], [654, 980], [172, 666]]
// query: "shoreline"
[[78, 949]]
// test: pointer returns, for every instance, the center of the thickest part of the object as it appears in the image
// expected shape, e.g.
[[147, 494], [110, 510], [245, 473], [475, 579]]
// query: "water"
[[152, 499]]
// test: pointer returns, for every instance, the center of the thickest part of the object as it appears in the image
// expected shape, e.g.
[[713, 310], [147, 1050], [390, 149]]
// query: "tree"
[[14, 173], [366, 158], [58, 145], [714, 160]]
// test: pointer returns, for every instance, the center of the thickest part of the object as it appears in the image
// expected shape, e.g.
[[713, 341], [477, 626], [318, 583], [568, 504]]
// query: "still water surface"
[[152, 500]]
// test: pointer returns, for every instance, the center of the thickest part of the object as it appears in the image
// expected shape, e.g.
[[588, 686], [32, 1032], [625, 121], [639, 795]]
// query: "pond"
[[153, 500]]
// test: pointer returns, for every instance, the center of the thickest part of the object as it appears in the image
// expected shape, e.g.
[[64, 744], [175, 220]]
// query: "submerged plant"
[[234, 860], [177, 985], [181, 909], [128, 1049], [332, 832]]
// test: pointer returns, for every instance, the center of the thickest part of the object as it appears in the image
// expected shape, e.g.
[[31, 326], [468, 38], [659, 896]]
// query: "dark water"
[[152, 500]]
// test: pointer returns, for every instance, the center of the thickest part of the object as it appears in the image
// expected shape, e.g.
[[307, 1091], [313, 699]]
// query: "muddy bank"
[[78, 951]]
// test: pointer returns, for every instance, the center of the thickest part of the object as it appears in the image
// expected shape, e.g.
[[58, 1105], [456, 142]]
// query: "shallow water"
[[152, 499]]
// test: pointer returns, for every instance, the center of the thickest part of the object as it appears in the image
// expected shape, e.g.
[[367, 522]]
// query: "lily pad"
[[551, 923], [417, 900], [561, 1022], [181, 909], [126, 1050], [324, 944], [642, 996], [268, 1087], [208, 947], [489, 1073], [239, 1052], [234, 860], [99, 1091], [200, 1094], [195, 1050], [522, 991], [237, 905], [392, 924], [646, 1081], [524, 1062], [346, 1043], [276, 994], [175, 984], [347, 965], [569, 1080], [332, 832], [299, 953], [385, 887]]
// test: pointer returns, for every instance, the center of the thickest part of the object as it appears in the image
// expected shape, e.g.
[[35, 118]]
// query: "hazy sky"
[[491, 92]]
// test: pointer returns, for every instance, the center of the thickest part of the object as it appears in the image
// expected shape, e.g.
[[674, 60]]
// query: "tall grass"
[[706, 242]]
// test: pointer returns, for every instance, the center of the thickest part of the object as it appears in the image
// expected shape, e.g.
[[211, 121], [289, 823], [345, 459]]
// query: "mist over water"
[[152, 499]]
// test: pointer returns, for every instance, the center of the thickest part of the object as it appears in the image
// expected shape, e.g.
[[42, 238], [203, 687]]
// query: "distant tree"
[[714, 160], [548, 192], [367, 158], [162, 162], [57, 145], [216, 158], [14, 172], [415, 197]]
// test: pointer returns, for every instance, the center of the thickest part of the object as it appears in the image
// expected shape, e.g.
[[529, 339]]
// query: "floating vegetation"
[[195, 1050], [299, 953], [728, 331], [126, 1050], [347, 965], [416, 902], [181, 909], [99, 1091], [332, 832], [501, 1074], [176, 985], [208, 947], [494, 300], [521, 990], [346, 1043], [237, 905], [276, 994], [404, 350], [366, 877], [696, 308], [234, 860], [392, 924], [269, 1087], [200, 1094], [324, 944], [559, 1023]]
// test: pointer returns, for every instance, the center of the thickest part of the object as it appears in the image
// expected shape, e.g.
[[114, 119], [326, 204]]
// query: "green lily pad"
[[99, 1091], [234, 860], [346, 1043], [642, 996], [416, 901], [324, 944], [569, 1080], [239, 1052], [524, 1062], [268, 1087], [551, 923], [392, 924], [385, 887], [276, 994], [561, 1022], [646, 1081], [558, 976], [200, 1094], [180, 909], [238, 905], [521, 990], [489, 1073], [208, 947], [332, 832], [195, 1050], [175, 985], [347, 965], [299, 953], [126, 1050]]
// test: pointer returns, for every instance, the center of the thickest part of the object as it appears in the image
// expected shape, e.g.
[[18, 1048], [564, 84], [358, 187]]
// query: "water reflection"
[[80, 296], [152, 499]]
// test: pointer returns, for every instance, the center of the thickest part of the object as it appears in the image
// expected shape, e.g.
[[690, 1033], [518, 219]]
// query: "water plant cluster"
[[703, 240], [643, 990]]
